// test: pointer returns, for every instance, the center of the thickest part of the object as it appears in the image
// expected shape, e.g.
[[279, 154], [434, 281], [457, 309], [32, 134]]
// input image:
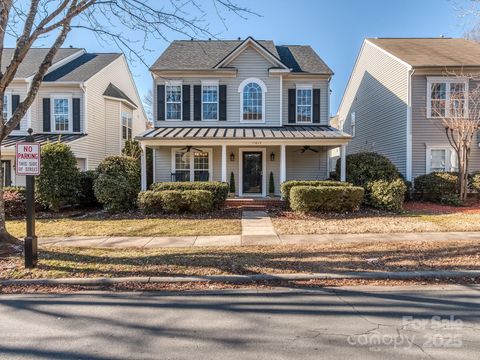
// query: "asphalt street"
[[336, 323]]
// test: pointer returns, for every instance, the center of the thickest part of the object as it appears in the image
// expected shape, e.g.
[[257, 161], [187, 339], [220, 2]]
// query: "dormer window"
[[173, 101], [252, 99]]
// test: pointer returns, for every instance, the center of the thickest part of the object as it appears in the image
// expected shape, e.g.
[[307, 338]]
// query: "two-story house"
[[88, 100], [248, 107], [387, 104]]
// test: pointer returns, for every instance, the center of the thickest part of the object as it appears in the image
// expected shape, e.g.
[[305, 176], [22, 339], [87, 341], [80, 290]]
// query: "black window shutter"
[[291, 105], [15, 103], [186, 102], [76, 114], [46, 115], [222, 102], [160, 102], [316, 106], [197, 102]]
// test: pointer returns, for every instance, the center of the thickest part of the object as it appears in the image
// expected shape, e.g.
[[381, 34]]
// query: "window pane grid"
[[304, 105], [5, 108], [252, 102], [61, 114], [126, 126], [210, 102], [447, 99], [193, 165], [173, 97]]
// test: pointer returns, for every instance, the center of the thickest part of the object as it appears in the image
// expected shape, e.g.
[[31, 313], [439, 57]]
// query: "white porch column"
[[144, 167], [343, 165], [224, 163], [283, 164]]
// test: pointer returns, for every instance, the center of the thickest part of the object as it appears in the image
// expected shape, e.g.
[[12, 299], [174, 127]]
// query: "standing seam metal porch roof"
[[218, 133]]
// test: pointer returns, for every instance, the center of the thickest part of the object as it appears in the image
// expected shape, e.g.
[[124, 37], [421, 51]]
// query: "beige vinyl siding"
[[378, 94], [430, 132], [113, 137], [322, 84], [250, 64], [308, 165]]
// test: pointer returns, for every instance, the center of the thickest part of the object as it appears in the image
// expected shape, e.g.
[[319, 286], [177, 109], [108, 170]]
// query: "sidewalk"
[[249, 240]]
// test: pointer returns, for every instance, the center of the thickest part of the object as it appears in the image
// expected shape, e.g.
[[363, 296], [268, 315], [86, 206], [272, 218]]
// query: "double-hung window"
[[353, 123], [173, 103], [193, 165], [126, 125], [61, 114], [441, 158], [209, 101], [304, 105], [447, 98], [6, 106]]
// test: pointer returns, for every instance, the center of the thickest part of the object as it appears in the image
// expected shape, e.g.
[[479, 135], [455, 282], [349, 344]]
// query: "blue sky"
[[334, 28]]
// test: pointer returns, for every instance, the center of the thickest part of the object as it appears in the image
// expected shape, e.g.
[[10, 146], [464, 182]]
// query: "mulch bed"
[[471, 206]]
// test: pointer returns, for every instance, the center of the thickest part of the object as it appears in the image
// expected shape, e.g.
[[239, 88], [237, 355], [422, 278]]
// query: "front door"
[[252, 172]]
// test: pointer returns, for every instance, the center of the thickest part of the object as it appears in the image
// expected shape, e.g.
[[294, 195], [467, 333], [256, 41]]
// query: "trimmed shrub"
[[150, 202], [132, 148], [58, 182], [436, 186], [86, 194], [173, 201], [232, 183], [218, 189], [118, 183], [475, 181], [326, 198], [197, 201], [287, 186], [388, 195], [14, 201]]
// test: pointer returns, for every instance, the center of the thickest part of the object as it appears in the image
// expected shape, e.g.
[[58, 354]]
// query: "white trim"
[[260, 49], [343, 163], [54, 97], [408, 174], [448, 151], [353, 123], [243, 142], [209, 83], [264, 170], [174, 83], [283, 163], [154, 168], [281, 101], [303, 87], [389, 54], [121, 142], [264, 91], [224, 163], [208, 150], [143, 159], [447, 81], [8, 95]]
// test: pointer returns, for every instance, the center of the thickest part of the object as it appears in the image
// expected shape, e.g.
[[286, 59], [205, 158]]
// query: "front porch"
[[255, 165]]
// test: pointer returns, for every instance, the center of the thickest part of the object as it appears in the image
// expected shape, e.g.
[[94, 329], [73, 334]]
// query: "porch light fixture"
[[232, 157], [272, 156]]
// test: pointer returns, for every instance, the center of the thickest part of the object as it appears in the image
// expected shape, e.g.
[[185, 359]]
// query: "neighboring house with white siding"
[[87, 100], [245, 107], [393, 85]]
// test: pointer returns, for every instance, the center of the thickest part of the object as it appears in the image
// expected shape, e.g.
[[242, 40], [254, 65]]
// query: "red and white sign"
[[27, 155]]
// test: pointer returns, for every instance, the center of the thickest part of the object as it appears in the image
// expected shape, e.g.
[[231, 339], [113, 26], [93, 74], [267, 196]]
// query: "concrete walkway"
[[257, 229]]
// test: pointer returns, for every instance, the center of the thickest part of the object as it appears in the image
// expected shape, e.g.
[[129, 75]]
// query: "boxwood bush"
[[14, 201], [326, 198], [475, 181], [150, 202], [118, 183], [197, 201], [436, 186], [172, 201], [388, 195], [286, 187], [218, 189]]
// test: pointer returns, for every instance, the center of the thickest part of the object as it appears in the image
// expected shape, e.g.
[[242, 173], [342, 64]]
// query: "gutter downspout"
[[408, 174]]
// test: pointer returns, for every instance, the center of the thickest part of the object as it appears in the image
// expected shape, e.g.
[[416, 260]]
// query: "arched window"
[[252, 100]]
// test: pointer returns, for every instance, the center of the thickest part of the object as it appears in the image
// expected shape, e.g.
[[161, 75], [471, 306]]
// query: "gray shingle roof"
[[81, 68], [205, 54], [432, 52], [222, 133], [113, 91], [33, 59]]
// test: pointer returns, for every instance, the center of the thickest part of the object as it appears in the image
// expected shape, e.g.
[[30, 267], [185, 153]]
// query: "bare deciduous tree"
[[459, 115], [130, 24]]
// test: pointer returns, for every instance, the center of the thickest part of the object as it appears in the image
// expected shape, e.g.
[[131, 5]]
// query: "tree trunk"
[[463, 173], [9, 245]]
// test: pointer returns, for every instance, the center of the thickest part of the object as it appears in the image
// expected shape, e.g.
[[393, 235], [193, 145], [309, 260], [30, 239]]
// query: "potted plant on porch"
[[271, 186]]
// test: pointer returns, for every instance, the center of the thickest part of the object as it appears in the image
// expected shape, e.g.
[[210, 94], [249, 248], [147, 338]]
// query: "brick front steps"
[[254, 203]]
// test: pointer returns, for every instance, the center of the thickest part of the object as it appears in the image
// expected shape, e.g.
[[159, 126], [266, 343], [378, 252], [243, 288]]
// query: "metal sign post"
[[28, 163]]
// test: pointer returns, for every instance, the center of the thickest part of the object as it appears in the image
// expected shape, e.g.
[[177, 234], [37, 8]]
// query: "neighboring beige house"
[[387, 103], [88, 100], [245, 107]]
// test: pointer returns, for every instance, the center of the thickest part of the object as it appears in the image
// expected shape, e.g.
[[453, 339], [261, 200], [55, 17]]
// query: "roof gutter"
[[408, 174]]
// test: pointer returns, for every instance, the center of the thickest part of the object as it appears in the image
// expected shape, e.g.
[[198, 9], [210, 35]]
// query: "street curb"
[[400, 275]]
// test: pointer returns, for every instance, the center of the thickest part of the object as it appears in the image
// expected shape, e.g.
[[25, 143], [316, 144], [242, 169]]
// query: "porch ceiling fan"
[[307, 148], [187, 149]]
